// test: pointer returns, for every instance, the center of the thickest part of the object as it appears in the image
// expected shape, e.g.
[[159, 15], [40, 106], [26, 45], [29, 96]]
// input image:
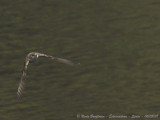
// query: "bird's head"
[[36, 55]]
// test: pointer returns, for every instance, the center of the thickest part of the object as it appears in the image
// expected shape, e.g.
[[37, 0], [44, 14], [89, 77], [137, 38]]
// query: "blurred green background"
[[117, 43]]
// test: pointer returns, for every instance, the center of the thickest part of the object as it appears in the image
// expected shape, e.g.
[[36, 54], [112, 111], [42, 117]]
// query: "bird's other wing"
[[61, 60], [22, 81], [65, 61]]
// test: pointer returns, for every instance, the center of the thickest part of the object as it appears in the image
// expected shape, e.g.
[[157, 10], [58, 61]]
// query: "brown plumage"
[[31, 57]]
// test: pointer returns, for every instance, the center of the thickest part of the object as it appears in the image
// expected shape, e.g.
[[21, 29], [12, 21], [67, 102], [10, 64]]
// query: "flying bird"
[[30, 58]]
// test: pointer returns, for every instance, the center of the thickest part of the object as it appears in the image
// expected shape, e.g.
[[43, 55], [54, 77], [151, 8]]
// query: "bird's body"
[[30, 58]]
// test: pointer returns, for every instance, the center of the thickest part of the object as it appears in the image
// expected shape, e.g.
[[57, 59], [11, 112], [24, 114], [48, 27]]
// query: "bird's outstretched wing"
[[22, 81], [61, 60]]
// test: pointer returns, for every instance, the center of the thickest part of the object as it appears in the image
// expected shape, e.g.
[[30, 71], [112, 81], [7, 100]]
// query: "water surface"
[[117, 43]]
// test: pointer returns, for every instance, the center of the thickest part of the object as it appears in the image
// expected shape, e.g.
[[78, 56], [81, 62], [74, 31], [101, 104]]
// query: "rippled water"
[[116, 42]]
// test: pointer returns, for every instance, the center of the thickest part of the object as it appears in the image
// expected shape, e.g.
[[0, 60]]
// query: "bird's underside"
[[31, 57]]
